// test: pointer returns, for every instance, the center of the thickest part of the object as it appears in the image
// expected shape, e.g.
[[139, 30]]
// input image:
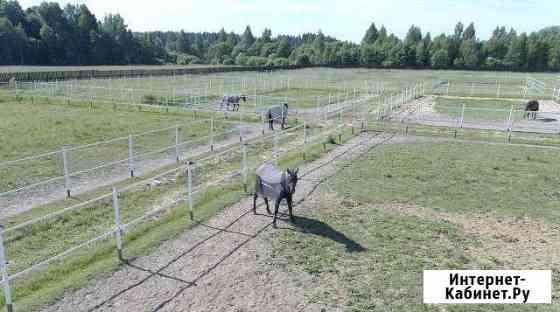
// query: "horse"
[[233, 100], [273, 184], [531, 109], [277, 113]]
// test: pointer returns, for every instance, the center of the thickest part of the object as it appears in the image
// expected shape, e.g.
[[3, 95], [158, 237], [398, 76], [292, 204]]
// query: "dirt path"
[[26, 200], [222, 265]]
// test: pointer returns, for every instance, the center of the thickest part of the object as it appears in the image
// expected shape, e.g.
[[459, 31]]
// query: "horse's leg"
[[276, 206], [290, 203], [267, 207], [255, 203]]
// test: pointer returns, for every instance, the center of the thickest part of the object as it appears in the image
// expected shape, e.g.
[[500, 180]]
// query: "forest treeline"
[[50, 35]]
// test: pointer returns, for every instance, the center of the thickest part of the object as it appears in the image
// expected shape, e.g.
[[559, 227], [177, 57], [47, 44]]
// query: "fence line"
[[119, 229]]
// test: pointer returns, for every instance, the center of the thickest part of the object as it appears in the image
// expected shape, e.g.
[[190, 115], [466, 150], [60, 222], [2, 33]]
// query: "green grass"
[[34, 128], [460, 177], [308, 98], [377, 258], [496, 110]]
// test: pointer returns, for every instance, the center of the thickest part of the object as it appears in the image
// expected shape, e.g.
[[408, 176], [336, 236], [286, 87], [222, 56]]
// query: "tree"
[[283, 49], [440, 59], [469, 54], [469, 33], [371, 35], [516, 57]]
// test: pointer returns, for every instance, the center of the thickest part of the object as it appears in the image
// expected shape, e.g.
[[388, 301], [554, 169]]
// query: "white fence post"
[[65, 171], [189, 198], [131, 155], [305, 138], [275, 147], [5, 275], [118, 229], [177, 149], [244, 166], [212, 132], [462, 116], [510, 124]]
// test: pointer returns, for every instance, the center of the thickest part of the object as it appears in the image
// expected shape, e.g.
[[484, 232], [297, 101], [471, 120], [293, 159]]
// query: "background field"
[[409, 207]]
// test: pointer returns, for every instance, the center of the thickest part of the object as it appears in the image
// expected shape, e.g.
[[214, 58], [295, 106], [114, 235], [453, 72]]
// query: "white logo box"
[[511, 286]]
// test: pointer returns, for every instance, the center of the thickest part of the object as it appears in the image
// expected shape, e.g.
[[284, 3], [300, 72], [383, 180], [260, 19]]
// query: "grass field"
[[30, 129], [308, 98], [406, 208]]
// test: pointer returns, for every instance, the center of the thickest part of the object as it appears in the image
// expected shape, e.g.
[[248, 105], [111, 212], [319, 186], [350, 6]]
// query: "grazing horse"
[[273, 184], [233, 100], [531, 109], [277, 113]]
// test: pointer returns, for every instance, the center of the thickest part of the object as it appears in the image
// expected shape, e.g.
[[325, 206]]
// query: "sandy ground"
[[221, 265]]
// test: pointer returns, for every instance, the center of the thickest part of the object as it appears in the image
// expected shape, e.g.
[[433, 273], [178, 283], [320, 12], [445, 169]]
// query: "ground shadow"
[[320, 228]]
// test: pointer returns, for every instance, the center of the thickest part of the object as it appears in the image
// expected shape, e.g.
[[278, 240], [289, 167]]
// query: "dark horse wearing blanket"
[[233, 100], [531, 109], [273, 184], [277, 113]]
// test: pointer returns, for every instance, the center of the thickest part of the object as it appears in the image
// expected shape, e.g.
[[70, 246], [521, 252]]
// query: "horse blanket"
[[269, 181], [278, 112]]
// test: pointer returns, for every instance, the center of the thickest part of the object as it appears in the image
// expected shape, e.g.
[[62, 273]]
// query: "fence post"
[[5, 275], [177, 151], [131, 155], [244, 166], [510, 125], [275, 147], [16, 89], [212, 133], [462, 115], [189, 198], [499, 89], [66, 171], [305, 138], [118, 229]]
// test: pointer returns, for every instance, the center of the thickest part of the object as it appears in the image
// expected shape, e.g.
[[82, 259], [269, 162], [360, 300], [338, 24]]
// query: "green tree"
[[440, 59], [371, 35]]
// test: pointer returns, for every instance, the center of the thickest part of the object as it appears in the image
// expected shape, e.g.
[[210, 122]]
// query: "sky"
[[343, 19]]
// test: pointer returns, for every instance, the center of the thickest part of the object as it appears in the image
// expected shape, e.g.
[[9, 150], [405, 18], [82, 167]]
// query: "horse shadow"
[[319, 228]]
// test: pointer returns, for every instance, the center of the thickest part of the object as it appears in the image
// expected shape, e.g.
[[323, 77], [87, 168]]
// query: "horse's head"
[[291, 180], [244, 98]]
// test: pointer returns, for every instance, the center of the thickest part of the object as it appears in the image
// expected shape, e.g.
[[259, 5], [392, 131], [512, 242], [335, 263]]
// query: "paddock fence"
[[114, 215]]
